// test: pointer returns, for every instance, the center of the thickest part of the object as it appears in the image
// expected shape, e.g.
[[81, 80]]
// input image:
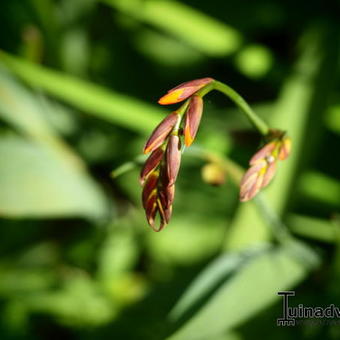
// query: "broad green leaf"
[[120, 109], [249, 291], [36, 182], [199, 30]]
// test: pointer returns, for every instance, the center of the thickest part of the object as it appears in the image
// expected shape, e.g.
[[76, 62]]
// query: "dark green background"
[[79, 84]]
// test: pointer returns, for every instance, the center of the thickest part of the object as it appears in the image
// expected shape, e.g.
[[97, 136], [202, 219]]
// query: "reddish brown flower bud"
[[193, 119], [150, 187], [161, 132], [173, 159], [252, 181], [151, 163], [264, 152], [151, 201], [184, 91], [263, 166]]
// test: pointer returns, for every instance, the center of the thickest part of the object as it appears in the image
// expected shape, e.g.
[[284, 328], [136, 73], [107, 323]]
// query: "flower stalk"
[[159, 174], [257, 122]]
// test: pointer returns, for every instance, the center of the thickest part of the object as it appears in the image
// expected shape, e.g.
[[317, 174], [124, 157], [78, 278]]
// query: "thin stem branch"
[[128, 166], [258, 123]]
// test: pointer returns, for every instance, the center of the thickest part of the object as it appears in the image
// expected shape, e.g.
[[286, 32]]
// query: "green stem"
[[258, 123], [128, 166]]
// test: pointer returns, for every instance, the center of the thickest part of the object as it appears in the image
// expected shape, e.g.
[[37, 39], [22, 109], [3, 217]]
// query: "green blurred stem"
[[258, 123], [280, 230], [127, 166]]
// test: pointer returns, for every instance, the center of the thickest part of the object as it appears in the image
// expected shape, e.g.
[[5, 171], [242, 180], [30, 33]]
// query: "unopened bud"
[[214, 174]]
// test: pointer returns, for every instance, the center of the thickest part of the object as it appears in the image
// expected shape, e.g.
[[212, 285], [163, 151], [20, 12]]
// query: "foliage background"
[[79, 81]]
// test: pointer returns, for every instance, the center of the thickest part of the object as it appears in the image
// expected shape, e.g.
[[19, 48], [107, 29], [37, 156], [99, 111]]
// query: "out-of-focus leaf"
[[315, 228], [79, 303], [31, 115], [254, 61], [118, 253], [205, 33], [117, 108], [210, 278], [75, 52], [333, 118], [165, 50], [35, 183], [320, 187], [22, 109], [187, 240], [31, 280], [247, 292]]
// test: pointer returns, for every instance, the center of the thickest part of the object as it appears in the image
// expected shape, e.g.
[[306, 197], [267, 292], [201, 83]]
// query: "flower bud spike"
[[184, 91], [193, 119], [161, 132], [263, 166]]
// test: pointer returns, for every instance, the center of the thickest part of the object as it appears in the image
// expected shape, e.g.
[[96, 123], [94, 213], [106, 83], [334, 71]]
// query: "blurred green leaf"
[[254, 61], [320, 187], [315, 228], [188, 240], [247, 292], [333, 118], [166, 50], [209, 279], [31, 115], [36, 183], [75, 52], [117, 108], [119, 252], [78, 303], [31, 280], [199, 30], [22, 109]]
